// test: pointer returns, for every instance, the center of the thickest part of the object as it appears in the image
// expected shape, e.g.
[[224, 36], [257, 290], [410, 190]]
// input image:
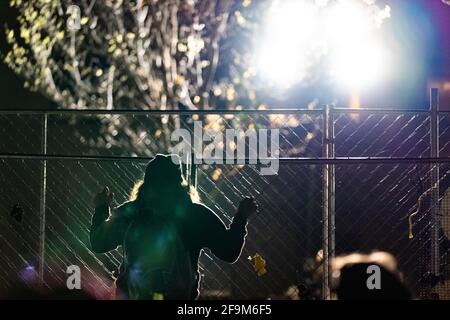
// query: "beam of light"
[[359, 65], [290, 28], [299, 34], [358, 58]]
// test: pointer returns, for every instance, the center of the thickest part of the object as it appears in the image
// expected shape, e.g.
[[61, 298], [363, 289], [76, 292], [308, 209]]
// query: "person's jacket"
[[197, 226]]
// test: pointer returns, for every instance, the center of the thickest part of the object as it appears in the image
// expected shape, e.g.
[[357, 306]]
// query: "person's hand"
[[247, 207], [103, 198]]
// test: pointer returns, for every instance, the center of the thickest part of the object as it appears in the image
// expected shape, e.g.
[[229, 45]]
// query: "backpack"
[[156, 264]]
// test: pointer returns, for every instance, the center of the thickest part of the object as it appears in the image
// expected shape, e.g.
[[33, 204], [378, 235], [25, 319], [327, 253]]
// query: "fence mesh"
[[372, 201]]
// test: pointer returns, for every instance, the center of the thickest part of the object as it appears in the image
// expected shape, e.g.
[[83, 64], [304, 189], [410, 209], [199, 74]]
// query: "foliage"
[[143, 54]]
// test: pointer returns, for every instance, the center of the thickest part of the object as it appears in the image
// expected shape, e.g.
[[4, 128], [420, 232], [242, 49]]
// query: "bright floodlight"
[[283, 55], [359, 66], [300, 33]]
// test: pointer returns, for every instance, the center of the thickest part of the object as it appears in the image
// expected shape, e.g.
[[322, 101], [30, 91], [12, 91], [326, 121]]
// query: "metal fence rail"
[[348, 180]]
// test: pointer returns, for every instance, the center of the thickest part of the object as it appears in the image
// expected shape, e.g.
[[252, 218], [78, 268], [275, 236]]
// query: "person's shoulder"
[[125, 210], [199, 210], [202, 211], [198, 206]]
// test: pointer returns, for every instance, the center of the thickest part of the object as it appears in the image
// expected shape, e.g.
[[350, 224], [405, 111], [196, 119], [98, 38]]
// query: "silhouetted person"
[[162, 233], [351, 274]]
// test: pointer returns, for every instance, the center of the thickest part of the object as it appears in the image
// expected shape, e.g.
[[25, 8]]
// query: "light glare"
[[290, 28], [359, 65], [299, 33]]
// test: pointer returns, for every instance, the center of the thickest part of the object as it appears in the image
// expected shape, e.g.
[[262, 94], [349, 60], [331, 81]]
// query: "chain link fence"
[[371, 202]]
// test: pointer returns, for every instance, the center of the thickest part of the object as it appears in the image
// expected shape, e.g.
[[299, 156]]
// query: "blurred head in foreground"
[[368, 277]]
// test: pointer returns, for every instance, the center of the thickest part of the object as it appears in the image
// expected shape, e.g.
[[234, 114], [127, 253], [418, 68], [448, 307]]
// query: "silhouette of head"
[[352, 273], [163, 182], [163, 171]]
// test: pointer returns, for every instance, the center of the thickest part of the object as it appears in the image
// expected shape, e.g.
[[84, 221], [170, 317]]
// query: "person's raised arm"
[[227, 243], [107, 230]]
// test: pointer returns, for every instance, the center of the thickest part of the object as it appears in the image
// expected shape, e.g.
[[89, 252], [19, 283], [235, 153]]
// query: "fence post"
[[42, 205], [328, 201], [434, 205]]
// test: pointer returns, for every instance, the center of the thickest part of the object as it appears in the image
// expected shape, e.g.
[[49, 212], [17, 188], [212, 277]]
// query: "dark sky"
[[419, 34]]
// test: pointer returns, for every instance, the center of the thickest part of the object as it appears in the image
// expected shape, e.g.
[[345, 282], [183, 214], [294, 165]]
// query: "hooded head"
[[163, 171], [355, 274], [163, 184]]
